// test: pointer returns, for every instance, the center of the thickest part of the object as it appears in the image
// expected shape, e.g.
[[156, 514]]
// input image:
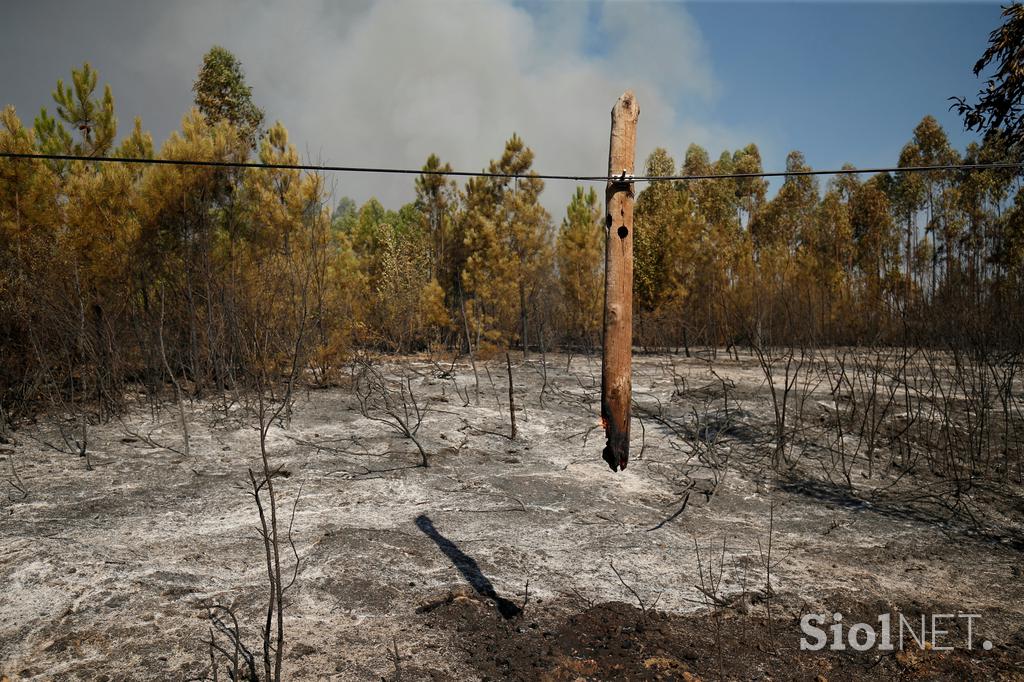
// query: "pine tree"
[[436, 200], [508, 239], [654, 218], [95, 230], [29, 263], [580, 249], [188, 245], [91, 119]]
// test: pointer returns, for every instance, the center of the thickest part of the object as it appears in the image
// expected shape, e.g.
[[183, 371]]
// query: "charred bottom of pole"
[[616, 452]]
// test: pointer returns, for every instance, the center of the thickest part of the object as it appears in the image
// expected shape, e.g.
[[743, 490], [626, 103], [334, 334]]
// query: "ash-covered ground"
[[107, 573]]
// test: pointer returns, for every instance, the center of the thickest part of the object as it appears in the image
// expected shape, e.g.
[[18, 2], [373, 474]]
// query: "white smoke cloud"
[[387, 83]]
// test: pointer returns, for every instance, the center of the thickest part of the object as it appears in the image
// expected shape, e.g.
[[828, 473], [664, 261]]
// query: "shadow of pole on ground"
[[468, 567]]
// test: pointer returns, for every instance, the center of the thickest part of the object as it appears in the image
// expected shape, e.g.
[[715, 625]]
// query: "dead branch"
[[511, 397]]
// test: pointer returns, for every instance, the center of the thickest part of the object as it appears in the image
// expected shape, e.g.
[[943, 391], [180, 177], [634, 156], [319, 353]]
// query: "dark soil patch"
[[617, 641]]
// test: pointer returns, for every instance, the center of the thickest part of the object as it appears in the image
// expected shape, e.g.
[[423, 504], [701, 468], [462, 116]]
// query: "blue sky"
[[386, 83], [842, 82]]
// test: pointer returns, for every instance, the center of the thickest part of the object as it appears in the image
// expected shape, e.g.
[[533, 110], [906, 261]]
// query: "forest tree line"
[[200, 277]]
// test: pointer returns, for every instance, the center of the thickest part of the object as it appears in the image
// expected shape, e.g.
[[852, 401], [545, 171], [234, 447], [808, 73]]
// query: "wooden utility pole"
[[617, 362]]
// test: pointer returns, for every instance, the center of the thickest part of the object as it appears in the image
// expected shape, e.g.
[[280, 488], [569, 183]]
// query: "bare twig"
[[511, 397], [636, 595]]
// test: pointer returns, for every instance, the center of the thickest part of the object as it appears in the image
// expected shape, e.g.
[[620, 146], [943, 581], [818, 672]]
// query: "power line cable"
[[625, 177], [843, 171], [288, 166]]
